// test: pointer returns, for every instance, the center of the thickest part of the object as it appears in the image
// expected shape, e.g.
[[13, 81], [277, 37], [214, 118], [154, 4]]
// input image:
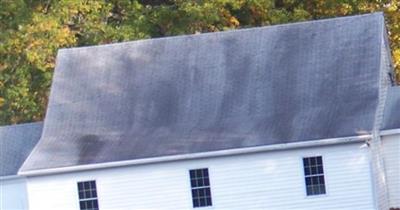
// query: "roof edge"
[[22, 124], [219, 153], [380, 14], [386, 44], [390, 132], [11, 177]]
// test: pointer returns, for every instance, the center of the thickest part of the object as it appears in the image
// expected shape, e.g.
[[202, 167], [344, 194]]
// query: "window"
[[88, 195], [314, 175], [200, 184]]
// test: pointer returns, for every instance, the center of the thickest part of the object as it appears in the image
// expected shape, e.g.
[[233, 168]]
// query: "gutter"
[[390, 132], [5, 178], [220, 153]]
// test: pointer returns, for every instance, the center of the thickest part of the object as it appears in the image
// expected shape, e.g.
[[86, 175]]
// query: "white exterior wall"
[[391, 156], [13, 194], [269, 180]]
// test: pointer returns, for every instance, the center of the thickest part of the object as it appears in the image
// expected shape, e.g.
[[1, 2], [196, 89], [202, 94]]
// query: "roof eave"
[[10, 177], [220, 153], [390, 132]]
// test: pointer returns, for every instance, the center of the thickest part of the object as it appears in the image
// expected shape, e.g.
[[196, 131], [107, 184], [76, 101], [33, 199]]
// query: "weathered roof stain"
[[215, 91]]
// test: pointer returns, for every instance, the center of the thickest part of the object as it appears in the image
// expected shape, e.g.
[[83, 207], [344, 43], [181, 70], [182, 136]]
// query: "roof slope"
[[16, 143], [207, 92], [391, 117]]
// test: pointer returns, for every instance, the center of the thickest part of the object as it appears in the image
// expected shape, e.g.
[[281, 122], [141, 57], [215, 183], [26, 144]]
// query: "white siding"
[[391, 155], [270, 180], [13, 194]]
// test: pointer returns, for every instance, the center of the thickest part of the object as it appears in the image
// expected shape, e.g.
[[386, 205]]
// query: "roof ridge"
[[306, 22]]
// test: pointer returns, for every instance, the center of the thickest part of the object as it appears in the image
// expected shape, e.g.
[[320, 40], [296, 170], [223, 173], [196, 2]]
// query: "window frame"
[[304, 176], [96, 198], [209, 205]]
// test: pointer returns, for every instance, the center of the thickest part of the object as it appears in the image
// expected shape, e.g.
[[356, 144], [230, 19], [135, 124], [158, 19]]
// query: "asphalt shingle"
[[214, 91]]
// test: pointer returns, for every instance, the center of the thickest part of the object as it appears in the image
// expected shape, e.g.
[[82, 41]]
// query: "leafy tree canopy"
[[31, 31]]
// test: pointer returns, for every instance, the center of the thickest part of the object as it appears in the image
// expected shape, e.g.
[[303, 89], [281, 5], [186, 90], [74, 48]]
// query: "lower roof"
[[16, 143], [391, 117]]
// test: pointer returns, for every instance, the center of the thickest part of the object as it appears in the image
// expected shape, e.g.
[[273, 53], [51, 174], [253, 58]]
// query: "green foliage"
[[31, 32]]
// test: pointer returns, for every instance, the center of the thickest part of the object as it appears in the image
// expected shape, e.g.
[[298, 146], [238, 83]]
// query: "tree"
[[33, 30]]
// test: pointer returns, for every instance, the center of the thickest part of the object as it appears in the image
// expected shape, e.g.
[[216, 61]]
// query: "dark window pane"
[[193, 183], [202, 192], [80, 186], [206, 201], [87, 194], [313, 161], [94, 194], [86, 185], [200, 183], [308, 181], [307, 171], [323, 189], [209, 202], [93, 185], [321, 179], [305, 162], [208, 192], [319, 160], [80, 195], [199, 173], [309, 191], [202, 202], [83, 195], [316, 190], [313, 170], [205, 172], [93, 203], [82, 204], [314, 179], [89, 204], [195, 203], [192, 174], [206, 182], [195, 193], [320, 170]]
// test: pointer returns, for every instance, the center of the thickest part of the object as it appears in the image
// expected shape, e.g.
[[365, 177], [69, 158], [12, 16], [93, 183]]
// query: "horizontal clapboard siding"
[[391, 155], [270, 180], [13, 195]]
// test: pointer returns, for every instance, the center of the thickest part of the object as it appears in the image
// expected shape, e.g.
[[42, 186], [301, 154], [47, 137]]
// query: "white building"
[[16, 142], [296, 116]]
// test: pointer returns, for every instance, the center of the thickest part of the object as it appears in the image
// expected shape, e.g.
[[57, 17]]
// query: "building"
[[16, 143], [295, 116]]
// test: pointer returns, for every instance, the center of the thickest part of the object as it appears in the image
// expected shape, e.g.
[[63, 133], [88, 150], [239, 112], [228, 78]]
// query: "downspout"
[[377, 163]]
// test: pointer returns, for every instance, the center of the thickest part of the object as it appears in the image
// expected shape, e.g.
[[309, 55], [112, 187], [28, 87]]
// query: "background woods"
[[31, 31]]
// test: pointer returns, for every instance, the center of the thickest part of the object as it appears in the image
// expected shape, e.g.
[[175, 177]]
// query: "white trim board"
[[10, 177], [219, 153], [390, 132]]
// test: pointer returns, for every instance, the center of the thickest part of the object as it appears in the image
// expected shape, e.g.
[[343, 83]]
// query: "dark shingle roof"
[[391, 117], [16, 143], [215, 91]]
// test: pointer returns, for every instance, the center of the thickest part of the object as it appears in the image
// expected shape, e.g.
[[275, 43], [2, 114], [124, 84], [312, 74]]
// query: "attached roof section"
[[215, 91], [391, 117], [16, 143]]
